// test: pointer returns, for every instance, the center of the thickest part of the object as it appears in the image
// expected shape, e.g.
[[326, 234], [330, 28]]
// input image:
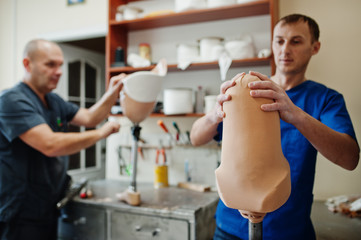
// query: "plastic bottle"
[[199, 105]]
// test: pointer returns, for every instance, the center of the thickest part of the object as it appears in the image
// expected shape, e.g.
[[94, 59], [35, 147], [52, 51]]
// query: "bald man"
[[34, 143]]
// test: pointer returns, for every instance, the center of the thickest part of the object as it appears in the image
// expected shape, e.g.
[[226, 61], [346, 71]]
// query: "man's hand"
[[223, 97], [109, 128], [116, 84], [266, 88], [205, 128]]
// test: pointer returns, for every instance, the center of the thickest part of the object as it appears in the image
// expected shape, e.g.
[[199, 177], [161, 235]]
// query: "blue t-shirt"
[[30, 183], [292, 220]]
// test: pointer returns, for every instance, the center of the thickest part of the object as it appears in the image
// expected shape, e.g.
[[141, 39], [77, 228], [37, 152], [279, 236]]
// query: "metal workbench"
[[165, 213], [170, 213]]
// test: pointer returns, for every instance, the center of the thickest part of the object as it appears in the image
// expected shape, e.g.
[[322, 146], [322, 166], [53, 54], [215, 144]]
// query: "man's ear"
[[316, 47], [26, 63]]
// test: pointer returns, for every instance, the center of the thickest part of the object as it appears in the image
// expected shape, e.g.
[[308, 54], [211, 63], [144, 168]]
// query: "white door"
[[83, 83]]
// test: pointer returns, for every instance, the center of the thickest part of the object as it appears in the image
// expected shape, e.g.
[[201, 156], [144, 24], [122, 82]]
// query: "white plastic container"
[[187, 52], [245, 1], [219, 3], [178, 101], [209, 102], [184, 5], [206, 46], [240, 48], [129, 12]]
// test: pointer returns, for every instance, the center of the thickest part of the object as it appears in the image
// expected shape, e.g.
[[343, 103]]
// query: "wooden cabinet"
[[118, 30]]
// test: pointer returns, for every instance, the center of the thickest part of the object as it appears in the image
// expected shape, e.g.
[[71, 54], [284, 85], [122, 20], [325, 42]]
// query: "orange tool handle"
[[161, 124], [162, 152]]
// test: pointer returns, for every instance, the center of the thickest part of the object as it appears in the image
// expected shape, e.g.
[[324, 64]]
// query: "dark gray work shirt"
[[30, 182]]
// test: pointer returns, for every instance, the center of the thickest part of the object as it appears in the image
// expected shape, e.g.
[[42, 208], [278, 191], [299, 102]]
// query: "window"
[[83, 79]]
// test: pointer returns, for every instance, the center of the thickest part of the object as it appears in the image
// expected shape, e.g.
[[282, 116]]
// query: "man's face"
[[46, 68], [293, 47]]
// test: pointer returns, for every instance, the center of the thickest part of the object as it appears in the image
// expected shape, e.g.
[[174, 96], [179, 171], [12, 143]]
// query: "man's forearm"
[[203, 130], [100, 110], [339, 148], [70, 143]]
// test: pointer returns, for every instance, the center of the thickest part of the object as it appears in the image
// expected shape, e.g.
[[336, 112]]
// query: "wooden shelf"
[[199, 66], [195, 16], [118, 31], [162, 115]]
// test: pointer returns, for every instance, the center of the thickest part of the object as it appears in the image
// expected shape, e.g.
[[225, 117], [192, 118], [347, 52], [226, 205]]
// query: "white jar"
[[245, 1], [240, 49], [219, 3], [184, 5], [129, 12], [187, 52], [178, 101], [206, 46], [209, 102]]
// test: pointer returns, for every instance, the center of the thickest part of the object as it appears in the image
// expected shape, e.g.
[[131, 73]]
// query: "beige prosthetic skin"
[[130, 197], [136, 111], [254, 176]]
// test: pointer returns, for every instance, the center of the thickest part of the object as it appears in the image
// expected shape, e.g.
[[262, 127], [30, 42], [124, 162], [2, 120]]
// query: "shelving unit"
[[198, 66], [118, 31], [161, 115]]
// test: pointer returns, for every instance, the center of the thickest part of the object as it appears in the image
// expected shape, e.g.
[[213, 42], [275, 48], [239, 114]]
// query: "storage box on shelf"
[[118, 31]]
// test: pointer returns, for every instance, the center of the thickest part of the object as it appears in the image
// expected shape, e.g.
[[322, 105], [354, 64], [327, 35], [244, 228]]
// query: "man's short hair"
[[312, 24], [33, 46]]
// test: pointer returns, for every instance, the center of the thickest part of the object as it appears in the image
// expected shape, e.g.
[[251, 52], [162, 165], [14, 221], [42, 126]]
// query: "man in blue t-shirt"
[[34, 143], [314, 119]]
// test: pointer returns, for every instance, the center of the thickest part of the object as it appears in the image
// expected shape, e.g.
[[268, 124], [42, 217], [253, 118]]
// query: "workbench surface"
[[173, 202], [170, 202]]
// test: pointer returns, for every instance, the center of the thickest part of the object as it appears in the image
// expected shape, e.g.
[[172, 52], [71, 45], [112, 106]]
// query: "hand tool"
[[72, 192], [121, 161], [160, 151], [140, 151], [176, 128], [189, 137], [162, 125]]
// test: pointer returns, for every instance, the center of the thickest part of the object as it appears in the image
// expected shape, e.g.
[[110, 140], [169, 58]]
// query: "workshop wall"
[[7, 45], [23, 20]]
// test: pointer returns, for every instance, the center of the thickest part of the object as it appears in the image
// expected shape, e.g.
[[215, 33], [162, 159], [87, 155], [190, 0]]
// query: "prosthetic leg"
[[254, 175], [131, 196]]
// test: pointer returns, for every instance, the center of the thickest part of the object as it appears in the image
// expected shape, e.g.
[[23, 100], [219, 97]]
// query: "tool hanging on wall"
[[160, 151], [183, 138], [140, 151], [175, 125], [165, 129], [189, 137], [121, 161]]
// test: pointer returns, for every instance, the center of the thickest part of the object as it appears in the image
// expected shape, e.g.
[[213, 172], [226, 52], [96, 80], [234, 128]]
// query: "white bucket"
[[219, 3], [178, 101], [207, 46], [184, 5], [209, 102], [187, 52]]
